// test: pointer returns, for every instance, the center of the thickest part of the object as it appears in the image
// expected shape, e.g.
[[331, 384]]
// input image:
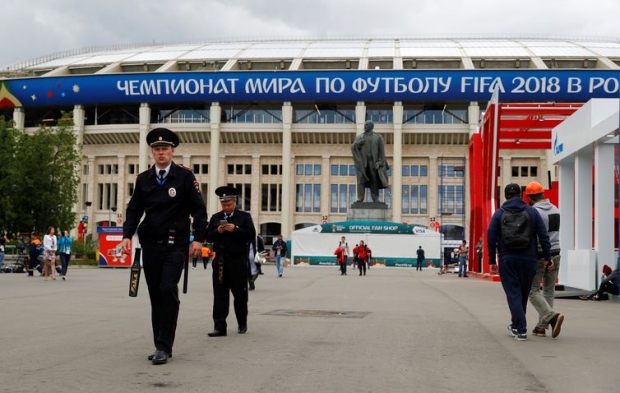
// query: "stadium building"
[[276, 118]]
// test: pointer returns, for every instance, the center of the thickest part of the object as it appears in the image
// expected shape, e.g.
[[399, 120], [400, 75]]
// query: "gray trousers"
[[542, 299]]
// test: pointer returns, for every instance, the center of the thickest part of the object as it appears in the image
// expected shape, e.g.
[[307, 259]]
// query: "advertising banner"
[[344, 85]]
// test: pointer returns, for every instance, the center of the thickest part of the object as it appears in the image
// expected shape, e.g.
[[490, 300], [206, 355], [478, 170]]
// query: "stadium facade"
[[276, 118]]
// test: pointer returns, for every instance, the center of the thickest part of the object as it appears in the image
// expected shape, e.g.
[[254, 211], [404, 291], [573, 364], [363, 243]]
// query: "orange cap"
[[534, 188]]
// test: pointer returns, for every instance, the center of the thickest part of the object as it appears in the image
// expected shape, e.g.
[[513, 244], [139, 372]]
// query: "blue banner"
[[370, 85]]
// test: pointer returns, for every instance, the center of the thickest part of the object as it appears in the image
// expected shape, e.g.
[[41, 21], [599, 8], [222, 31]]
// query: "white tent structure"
[[392, 244], [587, 139]]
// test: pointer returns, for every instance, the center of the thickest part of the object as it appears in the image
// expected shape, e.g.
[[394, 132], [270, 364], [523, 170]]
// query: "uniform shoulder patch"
[[184, 167], [196, 186]]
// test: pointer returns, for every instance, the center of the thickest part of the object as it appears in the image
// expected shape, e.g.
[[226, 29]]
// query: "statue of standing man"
[[370, 163]]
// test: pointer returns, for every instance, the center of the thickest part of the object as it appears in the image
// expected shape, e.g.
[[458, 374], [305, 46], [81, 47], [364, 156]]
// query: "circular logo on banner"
[[119, 220], [432, 224], [172, 192]]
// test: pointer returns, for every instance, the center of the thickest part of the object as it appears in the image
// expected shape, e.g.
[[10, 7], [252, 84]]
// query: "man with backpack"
[[512, 233]]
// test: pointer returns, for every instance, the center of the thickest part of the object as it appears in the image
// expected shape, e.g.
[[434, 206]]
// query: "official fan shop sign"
[[367, 85], [372, 227]]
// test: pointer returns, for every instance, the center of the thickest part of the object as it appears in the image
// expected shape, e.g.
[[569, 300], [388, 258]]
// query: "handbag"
[[259, 258]]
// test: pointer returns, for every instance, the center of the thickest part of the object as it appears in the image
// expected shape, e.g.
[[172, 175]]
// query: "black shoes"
[[556, 324], [243, 329], [151, 356], [159, 357], [217, 333], [252, 286]]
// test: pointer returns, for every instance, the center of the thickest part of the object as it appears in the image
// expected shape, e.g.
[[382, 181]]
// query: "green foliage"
[[84, 249], [39, 177]]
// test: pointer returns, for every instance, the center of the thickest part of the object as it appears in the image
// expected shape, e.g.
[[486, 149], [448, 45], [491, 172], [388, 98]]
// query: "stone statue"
[[370, 163]]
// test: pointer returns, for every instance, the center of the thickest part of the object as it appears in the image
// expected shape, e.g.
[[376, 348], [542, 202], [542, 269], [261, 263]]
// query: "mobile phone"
[[223, 222]]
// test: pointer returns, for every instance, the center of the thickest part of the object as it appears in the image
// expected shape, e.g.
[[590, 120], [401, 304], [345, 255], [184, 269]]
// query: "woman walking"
[[64, 250], [50, 244]]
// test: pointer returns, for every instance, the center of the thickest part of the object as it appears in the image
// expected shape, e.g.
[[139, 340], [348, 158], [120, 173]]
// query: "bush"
[[85, 249]]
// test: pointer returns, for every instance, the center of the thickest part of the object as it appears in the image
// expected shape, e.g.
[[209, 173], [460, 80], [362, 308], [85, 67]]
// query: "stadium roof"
[[300, 54]]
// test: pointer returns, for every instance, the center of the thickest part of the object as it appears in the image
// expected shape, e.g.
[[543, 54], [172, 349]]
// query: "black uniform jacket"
[[234, 243], [166, 206]]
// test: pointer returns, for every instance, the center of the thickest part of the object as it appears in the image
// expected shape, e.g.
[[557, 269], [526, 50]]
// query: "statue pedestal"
[[369, 211]]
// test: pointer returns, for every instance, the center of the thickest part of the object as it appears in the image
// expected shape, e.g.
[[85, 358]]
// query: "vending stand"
[[110, 248]]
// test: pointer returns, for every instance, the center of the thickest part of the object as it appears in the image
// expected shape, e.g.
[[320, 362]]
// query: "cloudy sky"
[[36, 28]]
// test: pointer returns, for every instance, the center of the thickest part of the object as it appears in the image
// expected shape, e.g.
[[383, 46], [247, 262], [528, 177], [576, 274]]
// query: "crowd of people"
[[168, 214]]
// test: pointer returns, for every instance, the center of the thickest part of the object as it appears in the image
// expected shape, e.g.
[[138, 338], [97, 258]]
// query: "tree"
[[43, 178]]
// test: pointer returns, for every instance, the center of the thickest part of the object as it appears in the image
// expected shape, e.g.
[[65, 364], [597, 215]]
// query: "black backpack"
[[516, 230]]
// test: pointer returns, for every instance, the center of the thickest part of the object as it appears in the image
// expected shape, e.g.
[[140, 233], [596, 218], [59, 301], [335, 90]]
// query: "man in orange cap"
[[547, 273]]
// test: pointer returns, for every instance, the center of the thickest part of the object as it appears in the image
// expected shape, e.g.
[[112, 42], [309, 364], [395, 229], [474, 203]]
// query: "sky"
[[37, 28]]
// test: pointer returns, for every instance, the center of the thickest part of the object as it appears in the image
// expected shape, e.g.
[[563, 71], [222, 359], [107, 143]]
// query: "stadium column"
[[79, 116], [255, 185], [214, 159], [287, 184], [397, 163], [360, 117], [432, 196], [145, 125], [19, 118]]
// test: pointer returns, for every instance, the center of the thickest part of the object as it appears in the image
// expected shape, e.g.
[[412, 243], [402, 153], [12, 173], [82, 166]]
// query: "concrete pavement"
[[394, 330]]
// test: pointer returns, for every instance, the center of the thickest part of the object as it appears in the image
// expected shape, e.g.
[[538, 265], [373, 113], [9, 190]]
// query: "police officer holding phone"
[[167, 194], [231, 231]]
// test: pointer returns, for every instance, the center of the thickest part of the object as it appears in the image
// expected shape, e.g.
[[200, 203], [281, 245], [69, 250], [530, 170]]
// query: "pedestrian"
[[512, 234], [546, 274], [362, 256], [345, 247], [279, 247], [35, 253], [256, 259], [341, 260], [205, 254], [420, 261], [463, 251], [609, 285], [167, 194], [479, 250], [64, 251], [3, 241], [231, 231], [260, 242], [50, 244]]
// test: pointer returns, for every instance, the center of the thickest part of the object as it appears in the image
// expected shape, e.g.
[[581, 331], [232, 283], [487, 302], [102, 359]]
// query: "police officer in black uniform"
[[231, 231], [167, 194]]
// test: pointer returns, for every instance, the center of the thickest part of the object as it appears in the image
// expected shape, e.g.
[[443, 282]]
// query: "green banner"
[[393, 228]]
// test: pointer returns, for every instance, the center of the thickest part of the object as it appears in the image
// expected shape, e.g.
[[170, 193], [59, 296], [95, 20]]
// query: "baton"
[[134, 277], [186, 274]]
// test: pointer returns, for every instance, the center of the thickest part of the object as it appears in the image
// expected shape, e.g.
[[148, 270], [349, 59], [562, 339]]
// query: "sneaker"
[[556, 324], [512, 331], [64, 278], [539, 332], [521, 337]]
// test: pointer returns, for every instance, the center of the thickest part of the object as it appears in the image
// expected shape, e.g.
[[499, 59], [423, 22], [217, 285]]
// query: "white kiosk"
[[584, 141]]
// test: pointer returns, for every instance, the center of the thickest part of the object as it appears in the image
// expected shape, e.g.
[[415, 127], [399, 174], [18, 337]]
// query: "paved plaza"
[[394, 330]]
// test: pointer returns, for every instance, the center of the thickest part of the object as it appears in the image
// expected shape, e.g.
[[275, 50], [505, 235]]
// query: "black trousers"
[[419, 264], [362, 266], [234, 278], [162, 271], [607, 287]]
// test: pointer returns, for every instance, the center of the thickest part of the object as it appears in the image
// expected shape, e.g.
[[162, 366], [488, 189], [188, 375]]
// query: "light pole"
[[112, 209], [85, 224]]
